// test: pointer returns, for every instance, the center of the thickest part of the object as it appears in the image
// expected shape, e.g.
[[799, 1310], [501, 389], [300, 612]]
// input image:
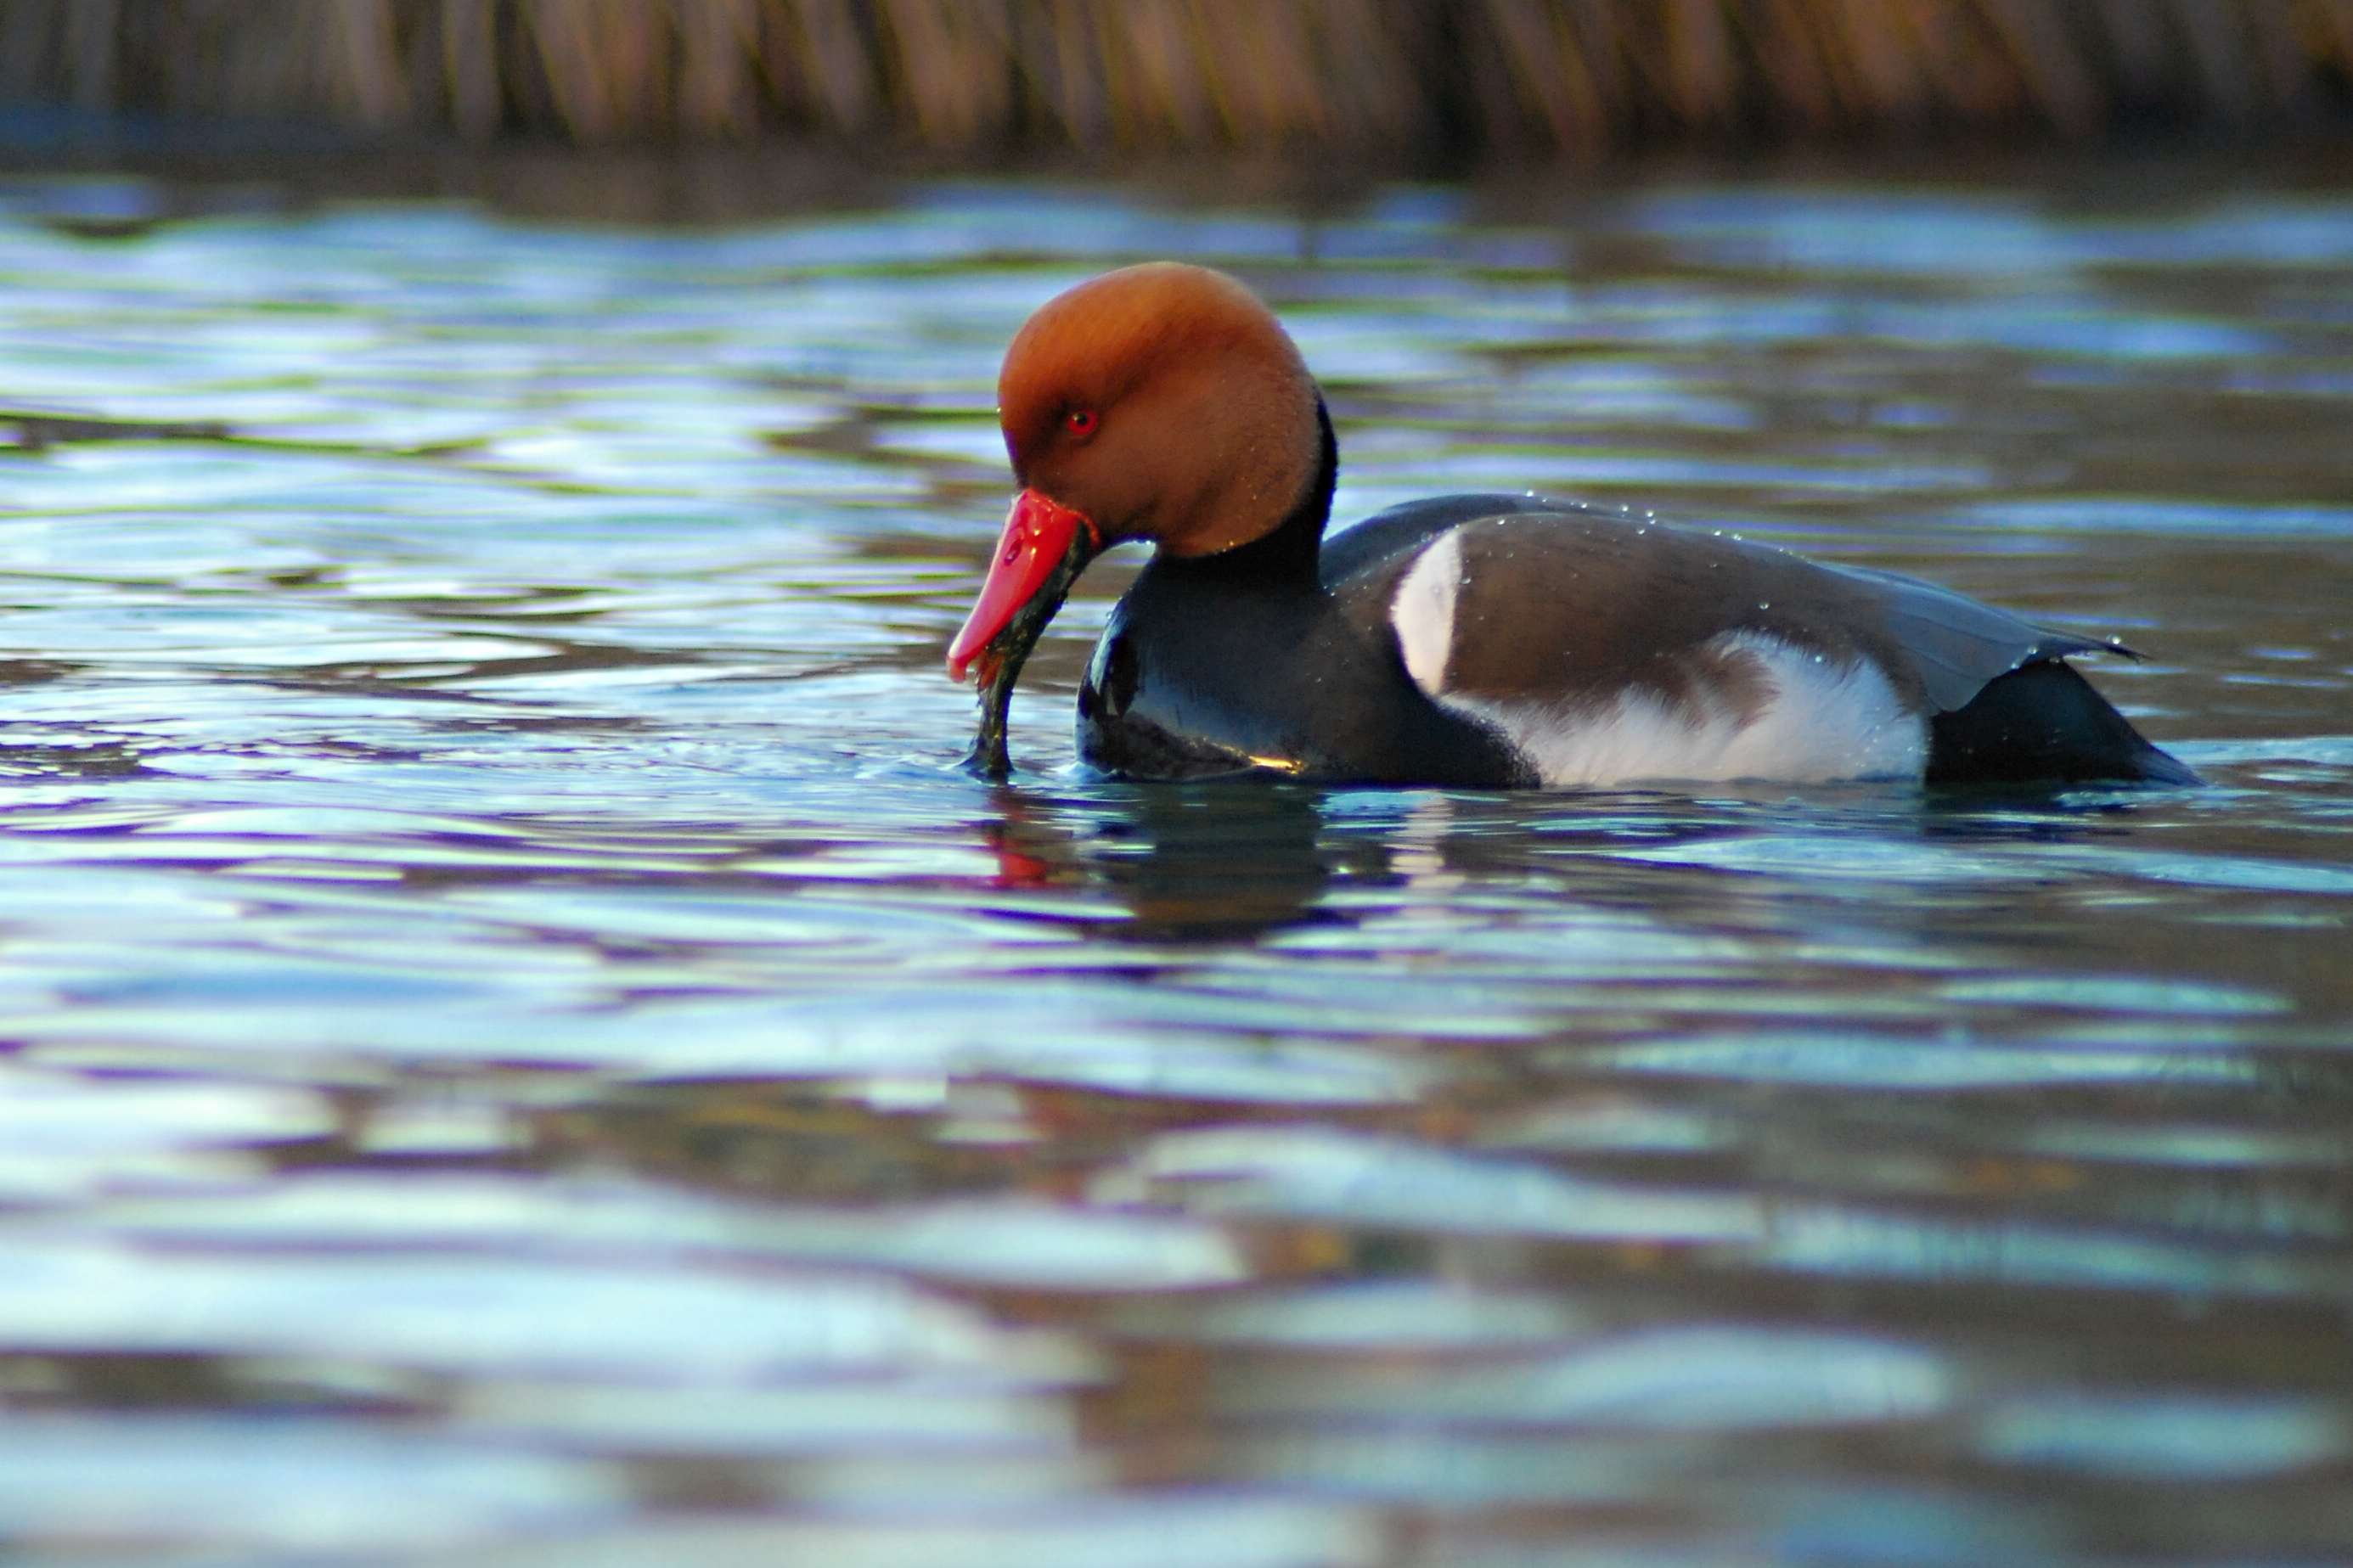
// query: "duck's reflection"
[[1230, 862], [1208, 863]]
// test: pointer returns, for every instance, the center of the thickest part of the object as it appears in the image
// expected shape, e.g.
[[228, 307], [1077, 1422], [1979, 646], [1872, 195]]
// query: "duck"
[[1512, 641]]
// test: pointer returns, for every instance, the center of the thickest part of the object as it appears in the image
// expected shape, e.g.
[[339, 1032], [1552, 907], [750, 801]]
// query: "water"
[[520, 1048]]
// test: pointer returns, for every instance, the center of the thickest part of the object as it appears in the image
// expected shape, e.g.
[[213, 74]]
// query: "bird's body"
[[1503, 640]]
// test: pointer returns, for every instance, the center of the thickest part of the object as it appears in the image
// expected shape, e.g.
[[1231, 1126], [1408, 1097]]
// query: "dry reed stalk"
[[1383, 101], [2049, 70], [1879, 79], [605, 64], [822, 66], [951, 60], [1536, 67], [467, 34], [1780, 35], [1703, 80], [360, 62], [1057, 56], [718, 75], [1154, 92], [1459, 76]]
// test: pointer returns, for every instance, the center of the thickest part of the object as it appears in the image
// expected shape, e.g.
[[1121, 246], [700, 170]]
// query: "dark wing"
[[1362, 547], [1958, 644], [1572, 597]]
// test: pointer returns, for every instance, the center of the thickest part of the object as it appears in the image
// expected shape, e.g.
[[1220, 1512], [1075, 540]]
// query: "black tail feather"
[[2043, 722]]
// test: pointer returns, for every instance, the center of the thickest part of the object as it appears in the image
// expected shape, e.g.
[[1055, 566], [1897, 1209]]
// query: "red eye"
[[1080, 422]]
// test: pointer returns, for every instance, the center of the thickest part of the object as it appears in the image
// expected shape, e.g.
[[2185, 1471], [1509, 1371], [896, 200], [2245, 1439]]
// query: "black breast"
[[1198, 674]]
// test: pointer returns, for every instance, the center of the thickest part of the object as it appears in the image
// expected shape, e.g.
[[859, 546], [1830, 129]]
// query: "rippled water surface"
[[518, 1047]]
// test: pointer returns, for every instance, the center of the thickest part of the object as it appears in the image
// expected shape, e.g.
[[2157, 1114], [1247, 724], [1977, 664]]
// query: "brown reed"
[[977, 77]]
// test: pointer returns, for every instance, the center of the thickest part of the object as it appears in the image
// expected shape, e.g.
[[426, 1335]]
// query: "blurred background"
[[1414, 80], [519, 1045]]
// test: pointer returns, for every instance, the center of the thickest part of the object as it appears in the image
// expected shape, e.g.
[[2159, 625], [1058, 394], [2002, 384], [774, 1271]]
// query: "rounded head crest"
[[1162, 402]]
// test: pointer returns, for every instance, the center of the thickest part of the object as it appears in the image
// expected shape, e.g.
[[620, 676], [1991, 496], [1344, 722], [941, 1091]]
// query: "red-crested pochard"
[[1468, 639]]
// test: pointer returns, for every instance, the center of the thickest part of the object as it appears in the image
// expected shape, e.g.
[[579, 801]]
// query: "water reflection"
[[515, 1041], [1230, 863], [1215, 864]]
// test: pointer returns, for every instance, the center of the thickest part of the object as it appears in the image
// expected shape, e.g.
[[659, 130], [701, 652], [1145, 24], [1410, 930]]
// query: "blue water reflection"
[[517, 1043]]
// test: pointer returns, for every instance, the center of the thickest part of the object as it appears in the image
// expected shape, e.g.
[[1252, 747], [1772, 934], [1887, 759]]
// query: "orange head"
[[1161, 401]]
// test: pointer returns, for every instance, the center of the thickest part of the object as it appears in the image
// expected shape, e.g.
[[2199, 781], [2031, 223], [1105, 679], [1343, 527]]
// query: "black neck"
[[1290, 551]]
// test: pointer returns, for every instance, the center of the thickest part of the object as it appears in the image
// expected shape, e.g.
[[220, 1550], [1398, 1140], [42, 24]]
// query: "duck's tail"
[[2043, 722]]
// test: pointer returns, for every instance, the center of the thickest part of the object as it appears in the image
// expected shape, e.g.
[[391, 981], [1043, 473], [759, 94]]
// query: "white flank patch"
[[1423, 611], [1826, 720]]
